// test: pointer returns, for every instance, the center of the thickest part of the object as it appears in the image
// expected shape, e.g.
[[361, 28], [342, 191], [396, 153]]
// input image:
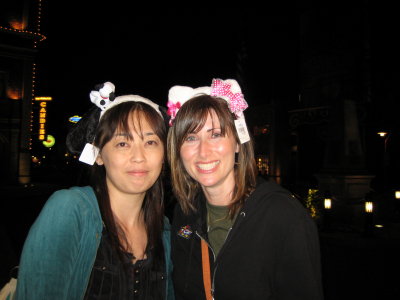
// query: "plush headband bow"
[[84, 131], [228, 90]]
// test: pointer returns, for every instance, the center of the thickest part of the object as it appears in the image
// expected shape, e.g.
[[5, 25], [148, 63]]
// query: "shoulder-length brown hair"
[[191, 118]]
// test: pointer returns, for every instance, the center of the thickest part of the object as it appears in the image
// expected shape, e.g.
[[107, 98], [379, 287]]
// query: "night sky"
[[146, 49]]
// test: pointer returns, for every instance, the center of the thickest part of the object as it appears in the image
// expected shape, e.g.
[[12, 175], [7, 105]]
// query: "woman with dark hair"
[[108, 240], [234, 235]]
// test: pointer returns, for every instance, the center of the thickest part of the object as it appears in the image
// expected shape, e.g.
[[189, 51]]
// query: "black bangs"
[[119, 119]]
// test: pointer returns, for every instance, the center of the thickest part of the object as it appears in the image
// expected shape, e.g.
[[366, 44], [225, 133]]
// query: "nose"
[[204, 148], [137, 154]]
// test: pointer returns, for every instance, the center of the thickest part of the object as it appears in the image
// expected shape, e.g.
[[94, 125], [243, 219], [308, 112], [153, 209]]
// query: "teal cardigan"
[[60, 250]]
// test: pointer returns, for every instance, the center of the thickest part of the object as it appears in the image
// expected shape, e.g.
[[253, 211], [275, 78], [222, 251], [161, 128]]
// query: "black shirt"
[[113, 277]]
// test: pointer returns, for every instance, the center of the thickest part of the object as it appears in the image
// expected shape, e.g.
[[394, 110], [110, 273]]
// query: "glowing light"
[[397, 194], [14, 93], [328, 203], [43, 98], [369, 207], [26, 32], [74, 119], [382, 133], [50, 141], [18, 25]]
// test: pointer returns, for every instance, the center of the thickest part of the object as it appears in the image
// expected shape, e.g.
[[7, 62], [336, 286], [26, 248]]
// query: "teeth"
[[209, 166]]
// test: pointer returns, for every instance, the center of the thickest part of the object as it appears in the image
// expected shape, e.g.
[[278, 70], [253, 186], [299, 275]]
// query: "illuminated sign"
[[43, 98], [50, 141], [42, 116], [74, 119]]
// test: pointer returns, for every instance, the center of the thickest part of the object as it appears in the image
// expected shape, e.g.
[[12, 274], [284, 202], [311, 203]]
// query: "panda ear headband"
[[80, 138]]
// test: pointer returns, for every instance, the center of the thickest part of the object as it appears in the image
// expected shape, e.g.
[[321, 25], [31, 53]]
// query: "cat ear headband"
[[83, 133], [228, 90]]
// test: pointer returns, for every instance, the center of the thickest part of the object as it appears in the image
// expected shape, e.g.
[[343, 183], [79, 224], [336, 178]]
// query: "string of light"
[[35, 34]]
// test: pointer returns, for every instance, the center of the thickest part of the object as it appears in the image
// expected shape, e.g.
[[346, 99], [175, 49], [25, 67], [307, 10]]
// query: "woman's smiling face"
[[209, 157]]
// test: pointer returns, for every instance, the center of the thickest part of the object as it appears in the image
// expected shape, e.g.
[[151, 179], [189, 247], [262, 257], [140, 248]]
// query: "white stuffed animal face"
[[97, 99], [102, 97]]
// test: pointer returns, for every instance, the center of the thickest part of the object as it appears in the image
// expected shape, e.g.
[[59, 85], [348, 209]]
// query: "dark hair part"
[[190, 119], [117, 120]]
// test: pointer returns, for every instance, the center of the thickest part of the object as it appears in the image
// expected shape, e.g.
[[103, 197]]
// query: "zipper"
[[242, 214]]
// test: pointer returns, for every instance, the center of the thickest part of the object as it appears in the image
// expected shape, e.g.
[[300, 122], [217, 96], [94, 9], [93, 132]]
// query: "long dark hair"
[[117, 119]]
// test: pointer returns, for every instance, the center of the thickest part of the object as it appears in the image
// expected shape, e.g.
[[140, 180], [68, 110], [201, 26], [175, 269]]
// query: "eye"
[[152, 143], [190, 138], [122, 144], [216, 134]]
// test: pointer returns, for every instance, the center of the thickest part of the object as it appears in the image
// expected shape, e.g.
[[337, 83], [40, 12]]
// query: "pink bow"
[[173, 110], [237, 104]]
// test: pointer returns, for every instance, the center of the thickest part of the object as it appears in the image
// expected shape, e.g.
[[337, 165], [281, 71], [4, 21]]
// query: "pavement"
[[356, 263]]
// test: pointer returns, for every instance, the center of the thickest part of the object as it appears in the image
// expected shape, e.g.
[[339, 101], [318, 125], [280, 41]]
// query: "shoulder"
[[271, 197], [72, 196], [75, 200]]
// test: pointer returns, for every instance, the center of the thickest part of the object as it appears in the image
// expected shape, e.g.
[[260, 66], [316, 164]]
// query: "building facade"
[[19, 39]]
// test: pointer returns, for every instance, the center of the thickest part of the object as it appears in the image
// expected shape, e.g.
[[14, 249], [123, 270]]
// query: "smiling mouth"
[[138, 173], [208, 166]]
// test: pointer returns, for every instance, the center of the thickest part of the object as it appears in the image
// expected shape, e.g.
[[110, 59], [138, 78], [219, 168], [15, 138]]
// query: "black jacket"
[[271, 252]]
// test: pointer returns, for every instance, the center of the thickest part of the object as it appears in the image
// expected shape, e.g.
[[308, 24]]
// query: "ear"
[[99, 160]]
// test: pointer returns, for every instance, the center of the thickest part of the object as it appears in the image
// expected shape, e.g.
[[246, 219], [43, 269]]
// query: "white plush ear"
[[182, 94], [107, 89], [179, 94]]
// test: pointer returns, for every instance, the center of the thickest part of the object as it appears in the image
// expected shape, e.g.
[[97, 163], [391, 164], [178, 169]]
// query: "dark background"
[[145, 49]]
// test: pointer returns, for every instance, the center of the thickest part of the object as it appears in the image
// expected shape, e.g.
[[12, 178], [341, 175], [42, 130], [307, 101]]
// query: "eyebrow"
[[212, 129], [150, 133]]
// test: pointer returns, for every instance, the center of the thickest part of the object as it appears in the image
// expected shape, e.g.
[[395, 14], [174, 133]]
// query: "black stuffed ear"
[[111, 96], [84, 131], [98, 86]]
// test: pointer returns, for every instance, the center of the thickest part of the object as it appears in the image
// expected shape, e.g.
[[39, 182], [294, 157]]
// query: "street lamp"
[[382, 133], [327, 211], [385, 136], [397, 206], [369, 209]]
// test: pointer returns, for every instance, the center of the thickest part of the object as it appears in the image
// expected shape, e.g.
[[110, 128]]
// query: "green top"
[[218, 225]]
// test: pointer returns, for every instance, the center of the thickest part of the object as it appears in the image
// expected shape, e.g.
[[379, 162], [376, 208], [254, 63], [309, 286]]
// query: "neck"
[[218, 197], [221, 194], [127, 210]]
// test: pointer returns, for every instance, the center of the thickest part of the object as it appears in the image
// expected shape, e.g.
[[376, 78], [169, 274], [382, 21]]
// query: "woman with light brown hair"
[[234, 235]]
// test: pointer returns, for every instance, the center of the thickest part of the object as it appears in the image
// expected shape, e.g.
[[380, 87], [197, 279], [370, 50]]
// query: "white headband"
[[127, 98], [228, 90], [102, 99]]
